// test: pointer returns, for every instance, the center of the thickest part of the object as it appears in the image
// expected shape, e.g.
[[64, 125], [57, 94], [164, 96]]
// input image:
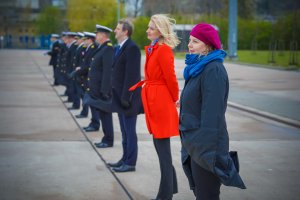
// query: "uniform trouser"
[[95, 121], [129, 139], [168, 181], [76, 94], [54, 75], [69, 90], [107, 127], [85, 107], [207, 185]]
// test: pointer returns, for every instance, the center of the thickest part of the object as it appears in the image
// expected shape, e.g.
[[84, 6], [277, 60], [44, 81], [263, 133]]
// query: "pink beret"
[[207, 34]]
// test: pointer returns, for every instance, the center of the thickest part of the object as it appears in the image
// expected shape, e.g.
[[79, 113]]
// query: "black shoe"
[[102, 145], [90, 129], [73, 108], [124, 168], [81, 116], [117, 164], [67, 101]]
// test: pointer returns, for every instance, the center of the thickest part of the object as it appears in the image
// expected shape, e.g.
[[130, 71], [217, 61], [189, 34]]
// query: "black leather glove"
[[125, 104]]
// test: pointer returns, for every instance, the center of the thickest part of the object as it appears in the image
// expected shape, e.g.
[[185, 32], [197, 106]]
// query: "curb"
[[264, 114]]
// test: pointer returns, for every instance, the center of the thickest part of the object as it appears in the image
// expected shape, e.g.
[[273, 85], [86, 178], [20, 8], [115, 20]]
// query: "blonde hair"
[[164, 24]]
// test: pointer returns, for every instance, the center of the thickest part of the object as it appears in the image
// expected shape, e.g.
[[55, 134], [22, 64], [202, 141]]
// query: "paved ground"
[[45, 155]]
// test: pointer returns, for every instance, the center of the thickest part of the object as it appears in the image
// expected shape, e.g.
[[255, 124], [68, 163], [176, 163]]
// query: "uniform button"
[[88, 79], [92, 58], [88, 89], [82, 85], [89, 69]]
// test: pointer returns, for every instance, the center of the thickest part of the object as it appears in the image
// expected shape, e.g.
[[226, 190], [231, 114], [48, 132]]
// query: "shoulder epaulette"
[[109, 44], [92, 46]]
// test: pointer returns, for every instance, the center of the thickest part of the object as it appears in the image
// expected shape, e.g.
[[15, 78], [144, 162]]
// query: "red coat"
[[160, 92]]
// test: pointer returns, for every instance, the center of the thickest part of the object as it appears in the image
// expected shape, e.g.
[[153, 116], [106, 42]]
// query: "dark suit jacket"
[[127, 72], [99, 75]]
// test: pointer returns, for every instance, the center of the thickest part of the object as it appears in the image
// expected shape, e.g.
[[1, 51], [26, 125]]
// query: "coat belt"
[[147, 82]]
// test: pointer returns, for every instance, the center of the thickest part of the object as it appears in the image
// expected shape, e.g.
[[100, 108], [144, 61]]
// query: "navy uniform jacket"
[[202, 125], [99, 78], [127, 72], [85, 64], [61, 60], [54, 53], [70, 58]]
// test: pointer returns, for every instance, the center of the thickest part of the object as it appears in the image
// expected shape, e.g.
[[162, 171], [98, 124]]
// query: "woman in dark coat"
[[205, 142]]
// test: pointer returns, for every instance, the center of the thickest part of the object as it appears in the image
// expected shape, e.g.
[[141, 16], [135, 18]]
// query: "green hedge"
[[252, 35]]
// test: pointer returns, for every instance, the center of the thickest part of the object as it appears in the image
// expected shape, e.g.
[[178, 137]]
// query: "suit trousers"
[[107, 127], [168, 182], [207, 185], [129, 139]]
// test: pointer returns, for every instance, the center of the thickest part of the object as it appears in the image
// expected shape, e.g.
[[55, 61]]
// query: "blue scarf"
[[195, 63], [152, 45]]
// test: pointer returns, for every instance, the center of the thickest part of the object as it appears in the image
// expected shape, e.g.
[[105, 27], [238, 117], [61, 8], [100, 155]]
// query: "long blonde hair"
[[164, 24]]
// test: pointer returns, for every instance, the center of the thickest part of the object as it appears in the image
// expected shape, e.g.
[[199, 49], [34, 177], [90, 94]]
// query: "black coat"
[[54, 53], [99, 78], [127, 72], [202, 126]]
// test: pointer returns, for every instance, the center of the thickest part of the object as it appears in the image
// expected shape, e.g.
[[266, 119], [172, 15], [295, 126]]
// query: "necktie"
[[117, 50]]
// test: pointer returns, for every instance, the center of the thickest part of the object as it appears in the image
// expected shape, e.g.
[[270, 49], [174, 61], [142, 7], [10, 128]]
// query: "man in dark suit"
[[126, 72], [54, 54], [98, 95]]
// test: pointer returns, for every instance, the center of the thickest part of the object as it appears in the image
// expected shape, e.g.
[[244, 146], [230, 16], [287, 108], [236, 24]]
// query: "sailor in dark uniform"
[[76, 62], [71, 50], [60, 64], [99, 95], [90, 46], [54, 54]]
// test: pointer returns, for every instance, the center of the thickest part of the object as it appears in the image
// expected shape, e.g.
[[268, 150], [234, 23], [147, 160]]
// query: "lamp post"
[[118, 9]]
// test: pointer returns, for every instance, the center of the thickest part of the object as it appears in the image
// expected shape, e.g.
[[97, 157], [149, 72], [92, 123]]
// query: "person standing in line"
[[99, 95], [76, 61], [54, 54], [159, 96], [126, 72], [82, 71], [205, 141], [71, 50]]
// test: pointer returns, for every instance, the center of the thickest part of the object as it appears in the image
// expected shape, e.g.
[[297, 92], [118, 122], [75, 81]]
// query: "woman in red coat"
[[159, 96]]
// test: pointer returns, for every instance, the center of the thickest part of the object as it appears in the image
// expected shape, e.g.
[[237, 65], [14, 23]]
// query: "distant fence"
[[25, 42]]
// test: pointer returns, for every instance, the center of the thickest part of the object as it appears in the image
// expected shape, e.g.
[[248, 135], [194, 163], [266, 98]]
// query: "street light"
[[119, 7]]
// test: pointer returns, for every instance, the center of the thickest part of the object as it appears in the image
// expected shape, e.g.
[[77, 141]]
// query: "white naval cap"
[[89, 34], [100, 28], [71, 34], [55, 35], [79, 34]]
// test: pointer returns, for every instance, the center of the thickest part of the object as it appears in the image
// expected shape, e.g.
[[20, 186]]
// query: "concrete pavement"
[[45, 155]]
